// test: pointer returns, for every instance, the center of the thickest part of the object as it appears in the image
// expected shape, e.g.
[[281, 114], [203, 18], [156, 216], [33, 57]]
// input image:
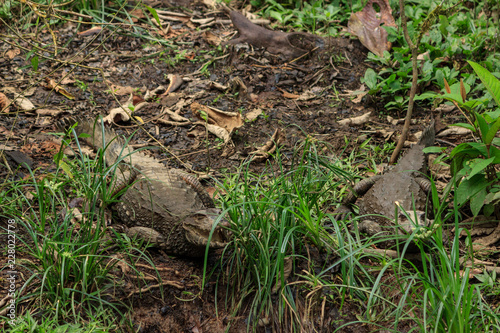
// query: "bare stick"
[[413, 90]]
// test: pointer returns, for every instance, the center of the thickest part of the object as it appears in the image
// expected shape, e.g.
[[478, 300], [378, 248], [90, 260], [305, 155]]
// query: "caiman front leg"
[[357, 191]]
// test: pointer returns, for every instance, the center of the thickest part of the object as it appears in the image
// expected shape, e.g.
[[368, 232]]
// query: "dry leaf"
[[252, 115], [90, 32], [12, 53], [4, 103], [226, 120], [211, 38], [262, 153], [133, 104], [355, 120], [367, 25], [51, 84], [23, 103]]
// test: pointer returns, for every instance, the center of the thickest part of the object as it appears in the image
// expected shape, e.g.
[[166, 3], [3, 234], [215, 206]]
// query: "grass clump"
[[278, 225], [63, 246]]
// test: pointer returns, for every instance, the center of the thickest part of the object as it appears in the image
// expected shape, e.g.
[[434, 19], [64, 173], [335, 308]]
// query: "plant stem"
[[413, 90]]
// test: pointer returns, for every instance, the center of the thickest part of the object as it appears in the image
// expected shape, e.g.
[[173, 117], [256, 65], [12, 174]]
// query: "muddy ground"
[[304, 98]]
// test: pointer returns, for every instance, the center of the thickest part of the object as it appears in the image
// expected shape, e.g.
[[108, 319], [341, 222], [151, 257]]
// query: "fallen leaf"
[[51, 84], [263, 153], [124, 112], [23, 103], [367, 25], [90, 32], [4, 103], [12, 53], [226, 120], [252, 115], [355, 120]]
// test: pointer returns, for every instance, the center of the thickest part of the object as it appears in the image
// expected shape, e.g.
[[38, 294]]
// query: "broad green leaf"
[[34, 63], [426, 95], [492, 131], [155, 15], [370, 78], [470, 187], [477, 201], [479, 166], [483, 126], [464, 125], [434, 150], [66, 168], [490, 82]]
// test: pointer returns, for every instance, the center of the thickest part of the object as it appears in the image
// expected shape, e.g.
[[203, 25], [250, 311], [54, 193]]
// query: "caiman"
[[167, 206], [404, 185]]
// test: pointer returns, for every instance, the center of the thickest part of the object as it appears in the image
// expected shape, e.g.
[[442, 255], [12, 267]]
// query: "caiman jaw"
[[198, 226]]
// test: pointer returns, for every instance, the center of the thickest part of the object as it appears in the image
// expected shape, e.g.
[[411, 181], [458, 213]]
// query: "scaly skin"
[[404, 184], [171, 202]]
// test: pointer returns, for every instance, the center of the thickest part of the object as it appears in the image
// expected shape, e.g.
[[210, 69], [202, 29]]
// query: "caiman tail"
[[100, 137], [428, 135]]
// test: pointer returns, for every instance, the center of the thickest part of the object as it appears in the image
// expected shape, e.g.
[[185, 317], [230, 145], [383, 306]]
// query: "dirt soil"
[[303, 98]]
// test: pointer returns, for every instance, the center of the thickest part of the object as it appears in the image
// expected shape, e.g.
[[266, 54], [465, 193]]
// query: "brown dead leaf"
[[90, 32], [211, 38], [51, 84], [226, 120], [286, 94], [355, 120], [262, 153], [367, 25], [252, 115], [23, 103], [4, 102], [123, 113], [12, 53]]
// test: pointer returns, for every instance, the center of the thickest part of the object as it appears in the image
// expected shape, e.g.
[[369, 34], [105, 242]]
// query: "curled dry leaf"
[[175, 82], [211, 38], [4, 103], [217, 122], [124, 112], [252, 115], [12, 53], [455, 130], [90, 32], [51, 84], [119, 90], [262, 153], [23, 103], [355, 120], [367, 25]]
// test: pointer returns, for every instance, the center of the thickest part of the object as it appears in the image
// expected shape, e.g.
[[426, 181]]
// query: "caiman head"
[[198, 225]]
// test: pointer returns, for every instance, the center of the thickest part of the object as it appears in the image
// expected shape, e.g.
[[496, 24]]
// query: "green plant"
[[457, 34], [66, 252], [274, 215], [474, 162]]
